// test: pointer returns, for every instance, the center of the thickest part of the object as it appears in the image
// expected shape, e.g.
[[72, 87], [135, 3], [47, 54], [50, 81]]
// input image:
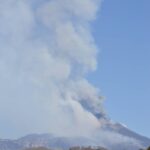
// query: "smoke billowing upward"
[[46, 50]]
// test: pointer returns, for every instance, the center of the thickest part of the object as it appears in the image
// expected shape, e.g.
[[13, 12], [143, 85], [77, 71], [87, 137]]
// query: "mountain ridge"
[[62, 142]]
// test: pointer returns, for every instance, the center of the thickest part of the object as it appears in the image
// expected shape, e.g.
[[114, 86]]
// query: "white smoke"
[[46, 49]]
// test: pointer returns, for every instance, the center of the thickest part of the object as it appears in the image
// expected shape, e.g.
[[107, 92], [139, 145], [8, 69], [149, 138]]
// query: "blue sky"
[[122, 32]]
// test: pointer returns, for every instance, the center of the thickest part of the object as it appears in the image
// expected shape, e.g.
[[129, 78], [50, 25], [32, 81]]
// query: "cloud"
[[46, 50]]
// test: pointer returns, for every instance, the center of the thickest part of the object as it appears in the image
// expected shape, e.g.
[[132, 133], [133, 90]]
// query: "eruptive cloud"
[[45, 52]]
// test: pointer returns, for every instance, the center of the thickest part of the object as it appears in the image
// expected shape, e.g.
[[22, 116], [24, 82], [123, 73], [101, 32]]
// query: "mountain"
[[45, 140], [9, 145], [137, 141], [121, 129], [54, 142]]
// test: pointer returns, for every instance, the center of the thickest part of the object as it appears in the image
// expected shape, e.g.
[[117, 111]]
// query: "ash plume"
[[46, 50]]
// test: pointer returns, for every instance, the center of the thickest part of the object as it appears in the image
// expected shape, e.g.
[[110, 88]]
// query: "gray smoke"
[[46, 49]]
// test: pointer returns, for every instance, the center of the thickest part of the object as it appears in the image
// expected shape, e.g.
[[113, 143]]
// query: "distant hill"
[[44, 140], [9, 145], [49, 141]]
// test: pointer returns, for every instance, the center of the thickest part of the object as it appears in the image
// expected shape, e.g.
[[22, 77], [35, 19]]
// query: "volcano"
[[56, 142]]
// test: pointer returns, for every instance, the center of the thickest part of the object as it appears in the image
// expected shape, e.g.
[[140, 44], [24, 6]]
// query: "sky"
[[122, 32]]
